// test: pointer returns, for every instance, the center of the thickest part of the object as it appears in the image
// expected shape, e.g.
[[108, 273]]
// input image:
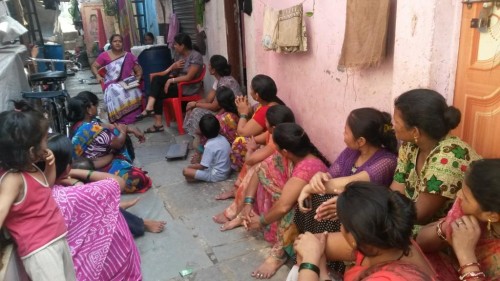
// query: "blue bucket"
[[54, 52]]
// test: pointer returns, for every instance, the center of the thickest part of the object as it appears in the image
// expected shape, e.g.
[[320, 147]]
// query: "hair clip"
[[387, 128]]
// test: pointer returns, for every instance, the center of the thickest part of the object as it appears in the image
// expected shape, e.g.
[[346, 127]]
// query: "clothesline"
[[266, 4]]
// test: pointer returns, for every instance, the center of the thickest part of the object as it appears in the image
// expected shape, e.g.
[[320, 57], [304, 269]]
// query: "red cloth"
[[395, 271], [260, 115], [102, 34], [36, 221]]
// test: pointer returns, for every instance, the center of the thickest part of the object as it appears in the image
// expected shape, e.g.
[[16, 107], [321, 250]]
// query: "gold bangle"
[[439, 230]]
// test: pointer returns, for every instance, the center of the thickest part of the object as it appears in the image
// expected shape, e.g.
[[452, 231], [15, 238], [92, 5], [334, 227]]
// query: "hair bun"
[[22, 106], [452, 117]]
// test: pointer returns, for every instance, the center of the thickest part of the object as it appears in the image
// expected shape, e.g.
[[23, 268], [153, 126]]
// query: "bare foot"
[[225, 195], [238, 221], [154, 226], [220, 218], [127, 204], [268, 268]]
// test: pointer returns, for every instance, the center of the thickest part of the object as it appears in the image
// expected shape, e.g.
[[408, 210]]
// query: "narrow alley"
[[191, 240]]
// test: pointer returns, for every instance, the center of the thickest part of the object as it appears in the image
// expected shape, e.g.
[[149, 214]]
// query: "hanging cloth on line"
[[284, 30], [365, 34]]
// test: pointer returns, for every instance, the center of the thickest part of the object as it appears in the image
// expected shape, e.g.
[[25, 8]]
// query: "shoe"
[[154, 129], [141, 116]]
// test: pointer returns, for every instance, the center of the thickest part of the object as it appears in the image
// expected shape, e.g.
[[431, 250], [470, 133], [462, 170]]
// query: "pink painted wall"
[[422, 55], [320, 95]]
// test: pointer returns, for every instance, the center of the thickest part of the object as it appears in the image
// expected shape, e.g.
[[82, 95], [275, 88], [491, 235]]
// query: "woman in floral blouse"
[[432, 163]]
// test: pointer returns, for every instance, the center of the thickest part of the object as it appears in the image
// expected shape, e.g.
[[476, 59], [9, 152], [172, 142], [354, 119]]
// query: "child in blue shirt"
[[215, 164]]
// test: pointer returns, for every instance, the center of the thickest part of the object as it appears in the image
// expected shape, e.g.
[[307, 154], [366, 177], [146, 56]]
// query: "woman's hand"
[[137, 133], [49, 157], [99, 78], [190, 105], [466, 232], [251, 144], [305, 194], [242, 105], [179, 64], [167, 85], [327, 210], [310, 247], [317, 183], [252, 222]]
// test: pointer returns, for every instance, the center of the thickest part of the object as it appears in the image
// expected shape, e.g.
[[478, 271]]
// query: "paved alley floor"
[[191, 239]]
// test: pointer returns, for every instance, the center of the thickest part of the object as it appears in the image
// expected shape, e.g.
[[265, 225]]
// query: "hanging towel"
[[173, 29], [292, 30], [270, 29], [365, 33]]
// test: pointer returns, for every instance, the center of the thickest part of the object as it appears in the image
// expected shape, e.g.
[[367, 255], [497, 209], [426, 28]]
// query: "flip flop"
[[141, 116], [154, 129]]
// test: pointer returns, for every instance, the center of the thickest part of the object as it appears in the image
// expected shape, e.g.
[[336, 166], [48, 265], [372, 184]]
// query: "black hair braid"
[[315, 151]]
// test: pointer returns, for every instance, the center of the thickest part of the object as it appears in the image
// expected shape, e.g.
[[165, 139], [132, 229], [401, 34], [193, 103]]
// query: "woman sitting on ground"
[[375, 233], [95, 224], [274, 189], [106, 150], [122, 104], [188, 67], [94, 100], [276, 115], [221, 70], [471, 228], [431, 163], [370, 155], [253, 121]]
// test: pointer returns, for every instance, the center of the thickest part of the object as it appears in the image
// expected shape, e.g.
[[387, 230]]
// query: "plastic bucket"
[[55, 52]]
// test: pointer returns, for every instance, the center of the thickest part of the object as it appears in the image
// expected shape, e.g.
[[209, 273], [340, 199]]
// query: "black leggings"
[[157, 91]]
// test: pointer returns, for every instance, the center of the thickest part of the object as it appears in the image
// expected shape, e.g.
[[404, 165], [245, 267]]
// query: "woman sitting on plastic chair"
[[117, 66], [186, 68]]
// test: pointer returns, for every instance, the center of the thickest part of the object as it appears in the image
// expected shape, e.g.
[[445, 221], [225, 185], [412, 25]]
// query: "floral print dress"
[[443, 171]]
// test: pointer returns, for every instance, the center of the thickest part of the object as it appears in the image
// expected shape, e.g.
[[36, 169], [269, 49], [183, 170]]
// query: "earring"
[[415, 139], [488, 226]]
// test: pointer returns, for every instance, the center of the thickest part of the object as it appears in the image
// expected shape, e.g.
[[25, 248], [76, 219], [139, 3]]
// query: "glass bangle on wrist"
[[249, 200], [310, 266], [244, 116]]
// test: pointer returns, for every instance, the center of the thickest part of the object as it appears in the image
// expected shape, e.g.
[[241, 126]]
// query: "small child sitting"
[[215, 164]]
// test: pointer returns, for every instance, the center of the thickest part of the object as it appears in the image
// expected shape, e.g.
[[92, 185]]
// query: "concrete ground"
[[191, 239]]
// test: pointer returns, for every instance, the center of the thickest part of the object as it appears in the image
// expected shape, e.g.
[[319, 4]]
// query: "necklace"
[[354, 169]]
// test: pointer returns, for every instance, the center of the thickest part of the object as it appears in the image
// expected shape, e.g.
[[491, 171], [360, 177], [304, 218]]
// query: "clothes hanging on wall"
[[270, 28], [292, 30], [365, 33], [284, 30], [173, 29]]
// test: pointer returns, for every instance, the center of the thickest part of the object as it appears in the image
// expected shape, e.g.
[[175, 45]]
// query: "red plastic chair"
[[176, 103]]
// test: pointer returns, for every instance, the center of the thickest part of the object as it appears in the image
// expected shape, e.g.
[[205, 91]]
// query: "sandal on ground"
[[154, 129], [146, 113]]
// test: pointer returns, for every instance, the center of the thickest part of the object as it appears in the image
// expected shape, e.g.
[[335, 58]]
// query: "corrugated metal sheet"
[[184, 9]]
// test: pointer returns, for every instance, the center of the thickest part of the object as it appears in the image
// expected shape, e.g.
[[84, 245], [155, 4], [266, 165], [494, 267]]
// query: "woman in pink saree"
[[112, 67], [102, 247]]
